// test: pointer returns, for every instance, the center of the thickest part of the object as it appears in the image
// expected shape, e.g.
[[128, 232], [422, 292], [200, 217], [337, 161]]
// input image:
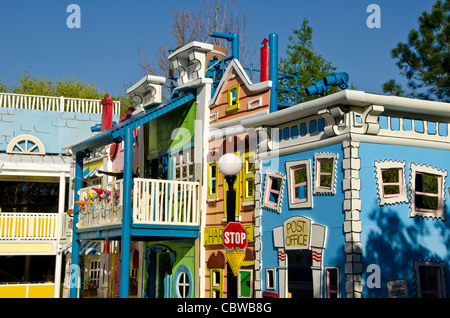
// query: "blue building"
[[353, 197]]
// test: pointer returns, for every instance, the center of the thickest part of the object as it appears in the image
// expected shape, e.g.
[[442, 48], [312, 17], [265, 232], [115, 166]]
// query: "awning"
[[86, 248], [90, 248], [88, 173]]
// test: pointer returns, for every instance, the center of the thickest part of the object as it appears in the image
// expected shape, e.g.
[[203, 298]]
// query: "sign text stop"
[[234, 235]]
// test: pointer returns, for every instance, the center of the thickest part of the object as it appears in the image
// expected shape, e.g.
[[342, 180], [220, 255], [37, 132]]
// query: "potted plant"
[[91, 290]]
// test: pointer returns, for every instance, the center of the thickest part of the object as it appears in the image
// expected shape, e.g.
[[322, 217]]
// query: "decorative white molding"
[[308, 203], [254, 103], [269, 175], [317, 157], [389, 164], [431, 263], [148, 90], [442, 174]]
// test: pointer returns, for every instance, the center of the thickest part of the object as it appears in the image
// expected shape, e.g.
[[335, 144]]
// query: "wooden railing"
[[153, 202], [166, 202], [100, 205], [28, 226], [52, 103]]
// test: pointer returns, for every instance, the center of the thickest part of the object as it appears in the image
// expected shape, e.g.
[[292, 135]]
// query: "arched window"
[[26, 144]]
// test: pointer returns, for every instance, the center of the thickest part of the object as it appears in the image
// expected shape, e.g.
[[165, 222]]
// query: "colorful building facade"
[[36, 188], [353, 198]]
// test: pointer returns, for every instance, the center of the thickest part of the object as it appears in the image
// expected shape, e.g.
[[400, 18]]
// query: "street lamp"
[[229, 166]]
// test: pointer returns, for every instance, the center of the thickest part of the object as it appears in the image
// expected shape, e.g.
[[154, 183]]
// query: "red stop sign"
[[234, 235]]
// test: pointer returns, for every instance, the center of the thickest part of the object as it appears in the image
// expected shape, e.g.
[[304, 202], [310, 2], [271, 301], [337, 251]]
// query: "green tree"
[[75, 88], [425, 58], [305, 62]]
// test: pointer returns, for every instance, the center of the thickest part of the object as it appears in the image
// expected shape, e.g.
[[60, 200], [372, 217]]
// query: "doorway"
[[160, 261], [300, 276]]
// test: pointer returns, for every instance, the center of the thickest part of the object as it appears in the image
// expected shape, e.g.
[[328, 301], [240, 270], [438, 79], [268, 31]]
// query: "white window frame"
[[442, 284], [272, 174], [270, 272], [93, 270], [380, 166], [183, 162], [290, 165], [318, 158], [441, 174]]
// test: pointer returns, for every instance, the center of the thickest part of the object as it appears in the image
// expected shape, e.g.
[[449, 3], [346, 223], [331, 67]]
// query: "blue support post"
[[126, 215], [273, 71], [75, 266]]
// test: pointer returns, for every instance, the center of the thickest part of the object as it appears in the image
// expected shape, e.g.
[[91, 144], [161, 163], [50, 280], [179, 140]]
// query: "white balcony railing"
[[154, 202], [166, 202], [28, 226], [52, 103], [100, 205]]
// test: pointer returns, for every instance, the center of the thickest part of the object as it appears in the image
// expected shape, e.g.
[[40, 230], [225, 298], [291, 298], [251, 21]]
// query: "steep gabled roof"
[[236, 66]]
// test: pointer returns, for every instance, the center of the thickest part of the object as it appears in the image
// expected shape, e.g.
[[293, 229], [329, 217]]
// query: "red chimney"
[[107, 112], [264, 51]]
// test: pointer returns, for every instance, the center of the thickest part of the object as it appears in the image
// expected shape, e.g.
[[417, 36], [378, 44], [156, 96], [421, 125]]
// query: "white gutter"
[[350, 98]]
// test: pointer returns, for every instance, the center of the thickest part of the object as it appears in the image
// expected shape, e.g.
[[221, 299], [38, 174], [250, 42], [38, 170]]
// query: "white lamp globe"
[[230, 164]]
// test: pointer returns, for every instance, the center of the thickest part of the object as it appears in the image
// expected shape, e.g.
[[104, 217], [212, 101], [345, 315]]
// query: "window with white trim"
[[184, 165], [429, 279], [270, 278], [273, 190], [325, 173], [93, 272], [299, 184], [390, 177], [427, 186]]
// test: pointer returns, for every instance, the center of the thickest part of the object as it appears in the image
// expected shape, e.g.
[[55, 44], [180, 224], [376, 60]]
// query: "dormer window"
[[233, 98]]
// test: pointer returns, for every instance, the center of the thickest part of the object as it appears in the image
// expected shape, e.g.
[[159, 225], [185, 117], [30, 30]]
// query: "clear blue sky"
[[105, 50]]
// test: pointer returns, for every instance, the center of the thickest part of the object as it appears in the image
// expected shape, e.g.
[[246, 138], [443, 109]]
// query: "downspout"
[[126, 214], [75, 267], [273, 71]]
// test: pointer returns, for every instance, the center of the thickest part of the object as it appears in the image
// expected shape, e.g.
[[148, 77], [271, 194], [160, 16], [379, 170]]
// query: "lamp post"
[[229, 166]]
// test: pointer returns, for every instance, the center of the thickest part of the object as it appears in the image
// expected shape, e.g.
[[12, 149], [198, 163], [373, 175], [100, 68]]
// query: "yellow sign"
[[297, 233], [235, 257], [213, 235]]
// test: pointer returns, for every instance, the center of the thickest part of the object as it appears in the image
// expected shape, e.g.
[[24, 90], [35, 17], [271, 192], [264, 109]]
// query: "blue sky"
[[105, 50]]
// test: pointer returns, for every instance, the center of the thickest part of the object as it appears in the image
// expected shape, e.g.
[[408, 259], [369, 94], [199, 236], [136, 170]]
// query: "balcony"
[[52, 103], [157, 205], [29, 226]]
